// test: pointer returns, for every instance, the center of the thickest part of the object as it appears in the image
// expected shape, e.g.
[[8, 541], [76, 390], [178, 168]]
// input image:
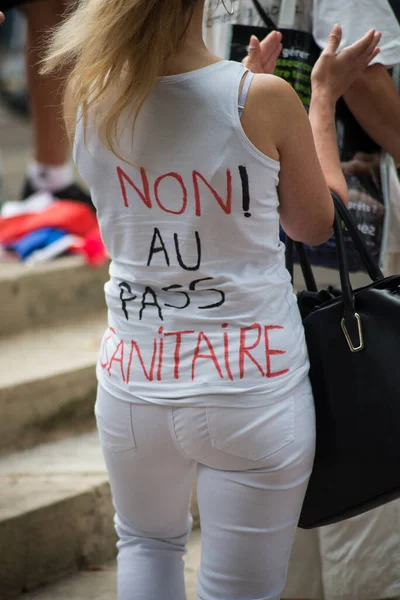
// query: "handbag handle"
[[372, 268], [307, 271], [347, 290], [305, 265], [351, 320], [350, 316]]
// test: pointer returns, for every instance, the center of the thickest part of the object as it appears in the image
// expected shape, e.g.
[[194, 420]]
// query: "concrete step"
[[101, 584], [57, 292], [56, 515], [48, 382]]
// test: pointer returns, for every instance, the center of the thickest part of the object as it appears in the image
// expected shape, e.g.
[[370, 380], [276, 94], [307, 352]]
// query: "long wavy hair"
[[110, 54]]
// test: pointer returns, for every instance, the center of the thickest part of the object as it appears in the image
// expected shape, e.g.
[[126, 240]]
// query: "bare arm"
[[322, 120], [332, 76], [308, 156], [375, 103], [277, 124]]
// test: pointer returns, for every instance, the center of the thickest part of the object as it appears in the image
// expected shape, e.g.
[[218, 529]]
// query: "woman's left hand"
[[263, 55]]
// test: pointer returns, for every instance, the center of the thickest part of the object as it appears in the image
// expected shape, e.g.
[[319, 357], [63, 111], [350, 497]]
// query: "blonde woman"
[[191, 163]]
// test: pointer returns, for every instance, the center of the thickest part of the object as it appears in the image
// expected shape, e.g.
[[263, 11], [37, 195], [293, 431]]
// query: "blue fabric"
[[40, 238]]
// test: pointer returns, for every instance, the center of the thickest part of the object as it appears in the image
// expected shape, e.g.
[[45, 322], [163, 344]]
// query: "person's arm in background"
[[375, 103], [372, 98], [325, 92], [1, 18]]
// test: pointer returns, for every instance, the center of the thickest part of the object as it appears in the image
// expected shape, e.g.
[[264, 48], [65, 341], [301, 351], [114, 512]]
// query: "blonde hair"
[[112, 52]]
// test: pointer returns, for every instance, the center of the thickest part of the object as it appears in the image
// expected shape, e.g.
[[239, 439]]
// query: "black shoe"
[[71, 192]]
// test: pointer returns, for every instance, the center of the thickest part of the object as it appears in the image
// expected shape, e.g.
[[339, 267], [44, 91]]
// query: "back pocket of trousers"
[[252, 433], [114, 423]]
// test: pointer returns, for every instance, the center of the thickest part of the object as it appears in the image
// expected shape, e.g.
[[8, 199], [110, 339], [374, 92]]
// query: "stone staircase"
[[55, 509], [55, 505]]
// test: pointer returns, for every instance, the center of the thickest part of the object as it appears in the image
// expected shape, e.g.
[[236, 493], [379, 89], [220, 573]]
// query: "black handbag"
[[299, 53], [353, 339]]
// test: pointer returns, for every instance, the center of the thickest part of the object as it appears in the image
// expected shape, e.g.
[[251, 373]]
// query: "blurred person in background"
[[51, 168], [359, 558]]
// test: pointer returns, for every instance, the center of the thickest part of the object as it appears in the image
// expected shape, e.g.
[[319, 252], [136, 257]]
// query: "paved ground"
[[101, 584], [15, 150]]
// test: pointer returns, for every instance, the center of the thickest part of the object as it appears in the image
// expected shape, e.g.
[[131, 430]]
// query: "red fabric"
[[92, 248], [72, 217]]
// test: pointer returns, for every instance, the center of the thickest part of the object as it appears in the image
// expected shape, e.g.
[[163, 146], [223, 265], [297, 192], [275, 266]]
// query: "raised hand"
[[334, 72], [263, 55]]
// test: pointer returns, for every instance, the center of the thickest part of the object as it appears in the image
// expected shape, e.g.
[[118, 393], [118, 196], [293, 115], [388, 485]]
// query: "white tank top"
[[201, 309]]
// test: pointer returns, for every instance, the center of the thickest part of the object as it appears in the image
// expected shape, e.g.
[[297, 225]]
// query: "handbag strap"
[[347, 290], [351, 322], [268, 22], [305, 265], [289, 259], [306, 268], [373, 269]]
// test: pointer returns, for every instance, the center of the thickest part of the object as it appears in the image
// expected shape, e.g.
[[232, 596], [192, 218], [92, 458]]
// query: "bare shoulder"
[[271, 85], [272, 91], [272, 105]]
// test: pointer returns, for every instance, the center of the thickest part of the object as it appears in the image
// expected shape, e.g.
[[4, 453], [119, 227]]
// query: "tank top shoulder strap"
[[248, 78]]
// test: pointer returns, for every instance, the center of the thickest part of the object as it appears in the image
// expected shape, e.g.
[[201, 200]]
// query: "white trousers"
[[252, 468]]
